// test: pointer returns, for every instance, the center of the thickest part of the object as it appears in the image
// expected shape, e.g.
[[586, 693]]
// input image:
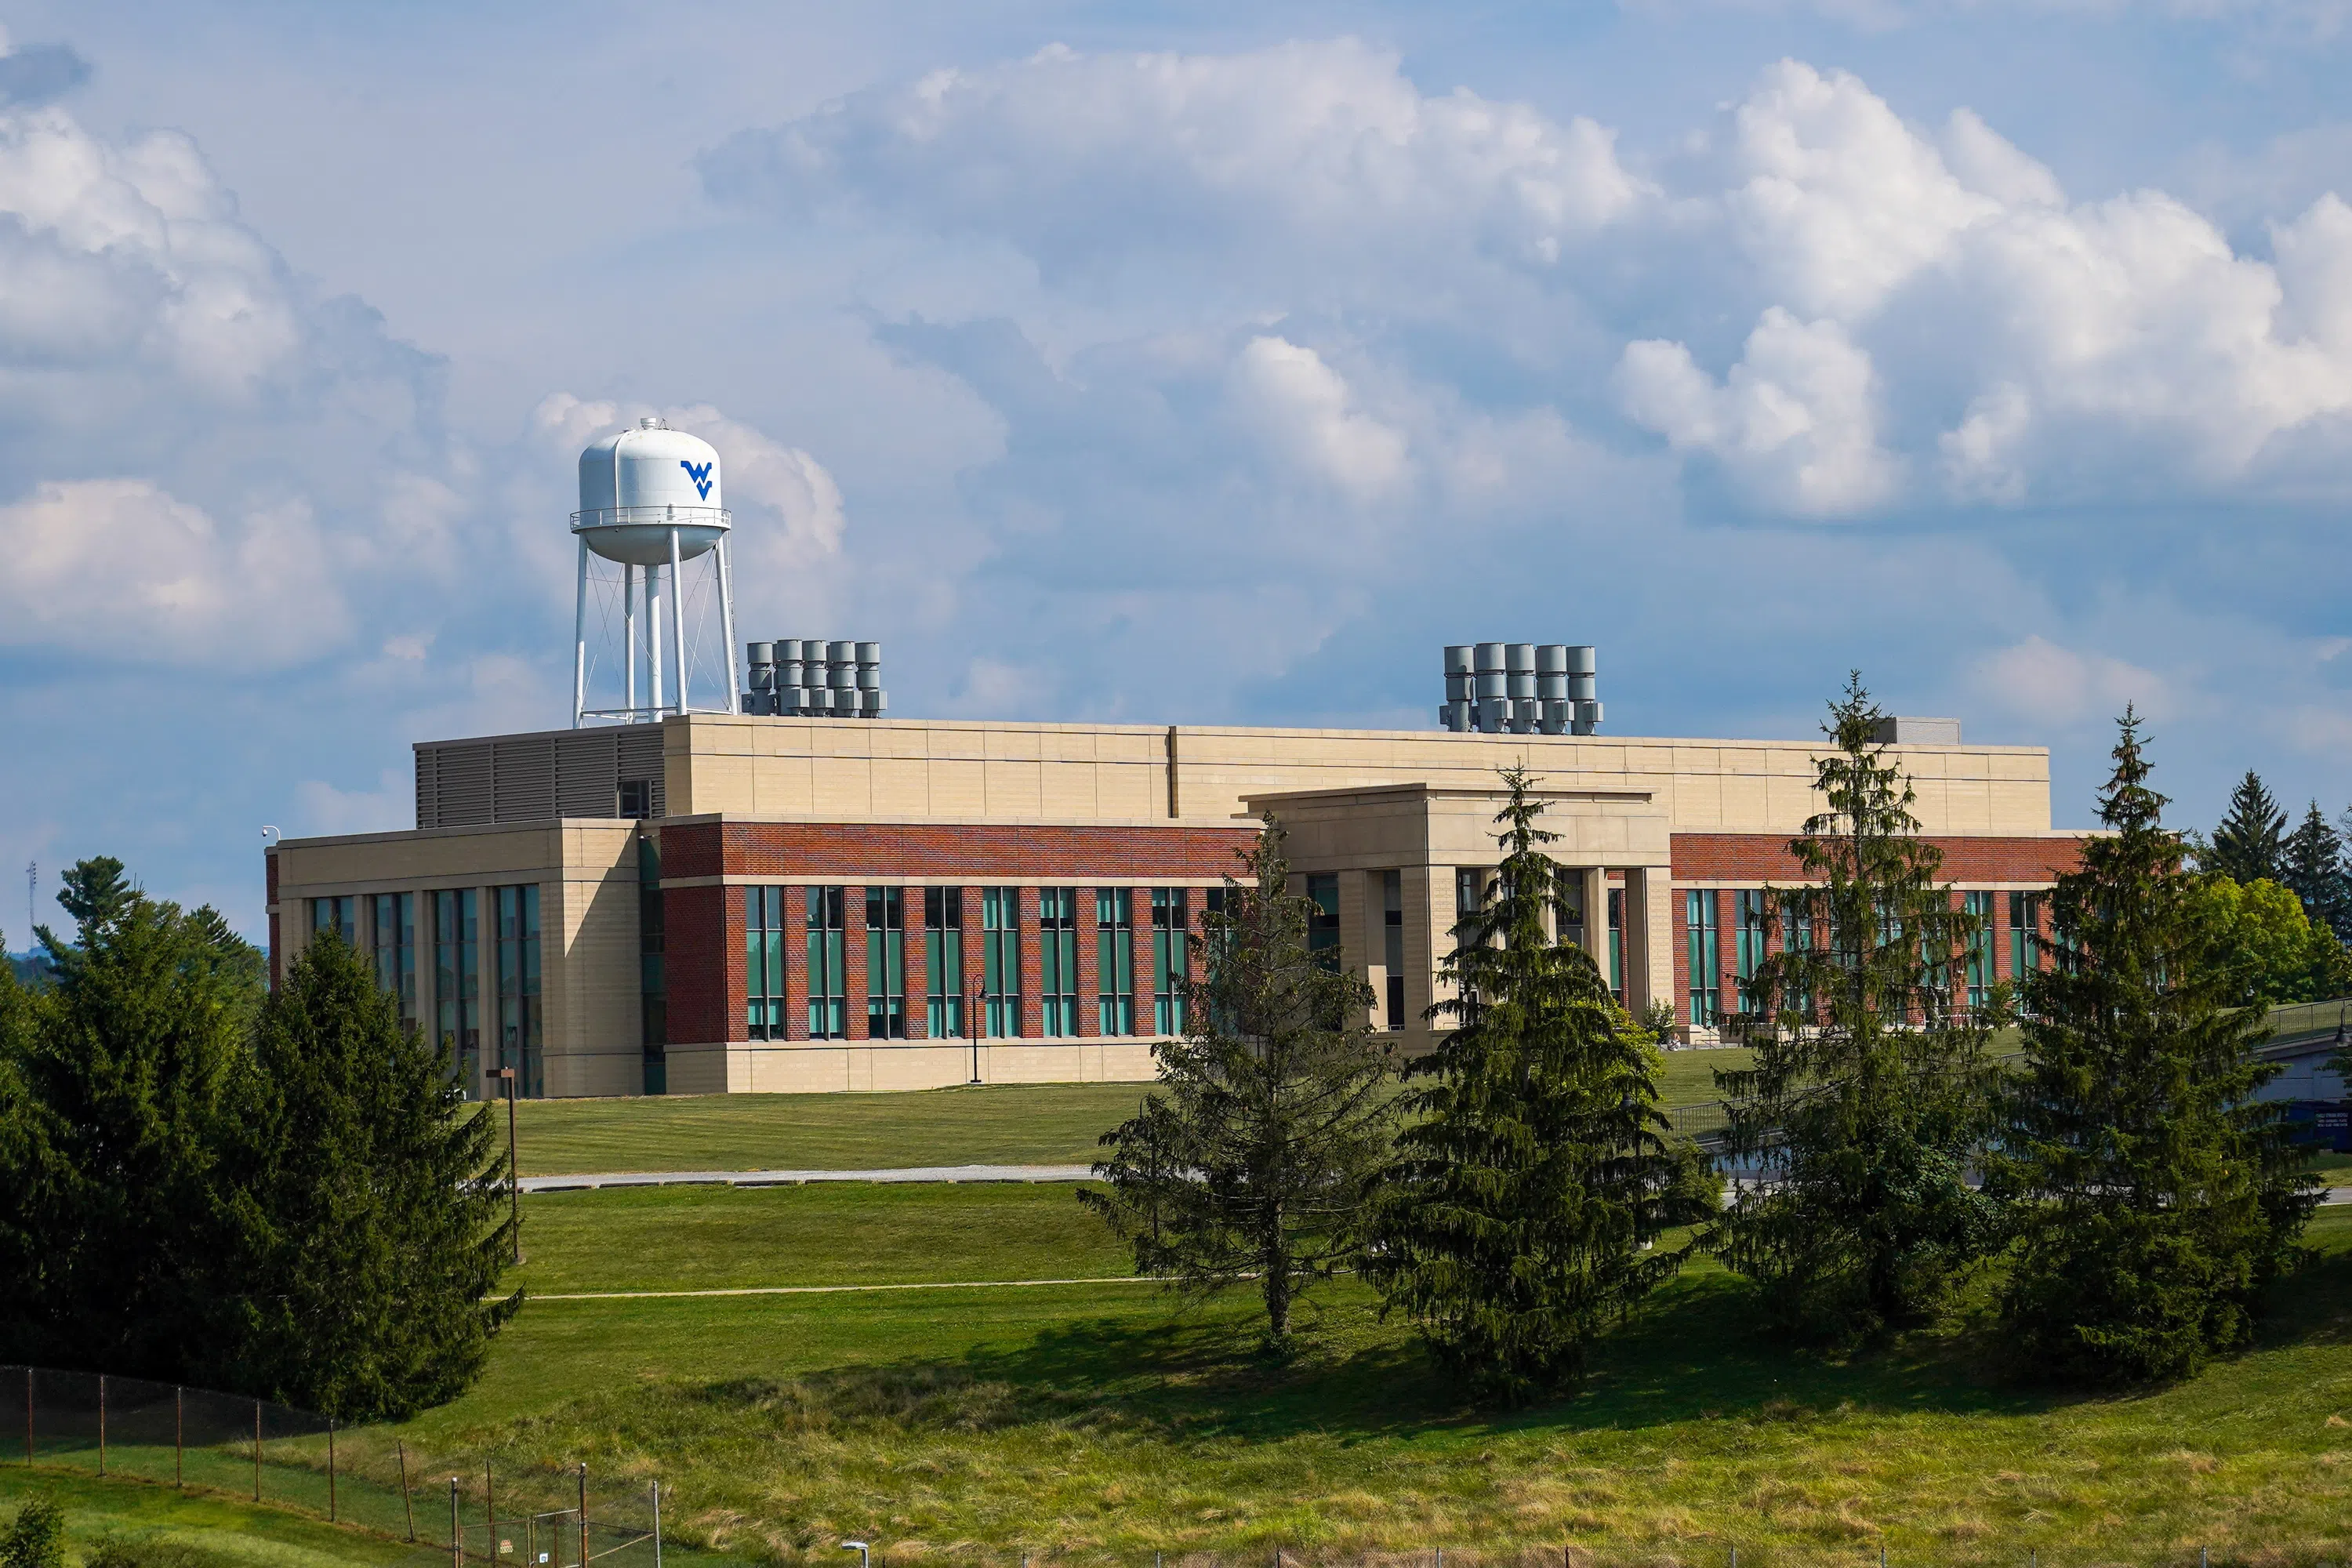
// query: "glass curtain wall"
[[1057, 945], [886, 964], [1168, 931], [341, 915], [764, 936], [1323, 921], [999, 962], [395, 950], [1617, 944], [1705, 955], [943, 962], [1392, 944], [1979, 906], [1747, 936], [828, 1008], [521, 1023], [457, 984], [1114, 961]]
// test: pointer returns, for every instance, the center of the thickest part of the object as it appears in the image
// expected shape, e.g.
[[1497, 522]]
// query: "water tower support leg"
[[580, 639], [629, 632], [653, 636], [677, 617], [727, 629]]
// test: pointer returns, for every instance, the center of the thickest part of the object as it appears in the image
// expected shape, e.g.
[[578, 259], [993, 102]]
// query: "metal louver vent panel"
[[587, 770], [641, 758], [523, 780], [461, 784]]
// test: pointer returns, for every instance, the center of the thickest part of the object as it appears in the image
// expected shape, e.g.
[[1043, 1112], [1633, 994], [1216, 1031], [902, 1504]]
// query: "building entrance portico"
[[1398, 865]]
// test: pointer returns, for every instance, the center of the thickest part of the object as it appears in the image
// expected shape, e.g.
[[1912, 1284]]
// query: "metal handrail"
[[665, 516]]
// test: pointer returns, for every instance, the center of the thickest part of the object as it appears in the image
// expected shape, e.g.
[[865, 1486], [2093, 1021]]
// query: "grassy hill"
[[1106, 1421]]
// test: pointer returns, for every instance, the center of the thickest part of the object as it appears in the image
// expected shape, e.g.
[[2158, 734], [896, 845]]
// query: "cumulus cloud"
[[2040, 680], [1307, 413], [1077, 157], [1795, 418]]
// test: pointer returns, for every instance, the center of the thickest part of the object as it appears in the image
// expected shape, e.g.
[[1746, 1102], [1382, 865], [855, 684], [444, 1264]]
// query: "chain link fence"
[[453, 1510]]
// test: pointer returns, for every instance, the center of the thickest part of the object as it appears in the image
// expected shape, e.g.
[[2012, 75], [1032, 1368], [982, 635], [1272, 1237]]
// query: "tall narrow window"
[[764, 936], [828, 1006], [1706, 956], [1168, 930], [999, 962], [1392, 943], [653, 963], [1567, 911], [2024, 934], [1978, 908], [1469, 891], [395, 950], [1617, 944], [1057, 955], [520, 1020], [1323, 921], [1796, 936], [340, 916], [457, 984], [886, 964], [1114, 961], [1747, 936], [943, 962]]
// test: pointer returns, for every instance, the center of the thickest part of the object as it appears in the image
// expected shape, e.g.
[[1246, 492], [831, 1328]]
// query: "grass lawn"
[[225, 1531], [1111, 1421], [1012, 1124]]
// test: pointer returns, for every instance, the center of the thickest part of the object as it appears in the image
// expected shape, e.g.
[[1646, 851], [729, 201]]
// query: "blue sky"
[[1207, 363]]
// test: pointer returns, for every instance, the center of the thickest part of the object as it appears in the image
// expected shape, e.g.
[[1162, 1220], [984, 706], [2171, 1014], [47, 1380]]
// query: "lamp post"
[[514, 1171], [864, 1560]]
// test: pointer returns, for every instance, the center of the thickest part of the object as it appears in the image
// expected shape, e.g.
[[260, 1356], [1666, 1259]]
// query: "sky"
[[1163, 364]]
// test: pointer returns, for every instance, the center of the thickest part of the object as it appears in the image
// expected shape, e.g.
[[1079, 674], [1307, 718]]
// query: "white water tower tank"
[[639, 486]]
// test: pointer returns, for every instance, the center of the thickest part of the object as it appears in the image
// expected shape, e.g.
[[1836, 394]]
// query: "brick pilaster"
[[796, 978], [1033, 970], [1089, 966], [736, 923], [1139, 948], [919, 964], [975, 970]]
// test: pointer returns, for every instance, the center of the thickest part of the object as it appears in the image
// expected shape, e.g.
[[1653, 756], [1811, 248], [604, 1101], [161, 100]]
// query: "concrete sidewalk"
[[799, 1178]]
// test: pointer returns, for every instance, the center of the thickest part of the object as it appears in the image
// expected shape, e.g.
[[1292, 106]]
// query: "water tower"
[[650, 503]]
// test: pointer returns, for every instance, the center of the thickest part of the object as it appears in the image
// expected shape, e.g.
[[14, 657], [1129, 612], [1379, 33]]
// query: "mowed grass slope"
[[1011, 1124], [1002, 1124], [1109, 1421]]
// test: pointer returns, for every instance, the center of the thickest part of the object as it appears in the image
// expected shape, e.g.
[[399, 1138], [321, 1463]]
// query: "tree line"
[[1517, 1191], [204, 1181]]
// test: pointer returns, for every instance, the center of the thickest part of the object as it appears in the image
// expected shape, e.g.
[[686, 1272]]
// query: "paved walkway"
[[798, 1178]]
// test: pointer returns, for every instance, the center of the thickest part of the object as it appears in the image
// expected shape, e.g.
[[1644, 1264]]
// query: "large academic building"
[[740, 902]]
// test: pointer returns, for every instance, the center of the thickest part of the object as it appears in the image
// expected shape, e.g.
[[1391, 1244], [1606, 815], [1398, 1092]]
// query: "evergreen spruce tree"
[[1533, 1168], [2154, 1199], [375, 1202], [1868, 1093], [1255, 1155], [129, 1078], [2313, 866], [2249, 842]]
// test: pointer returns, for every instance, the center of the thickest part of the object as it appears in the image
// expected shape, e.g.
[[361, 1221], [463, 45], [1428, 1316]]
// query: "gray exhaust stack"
[[813, 678], [1520, 688]]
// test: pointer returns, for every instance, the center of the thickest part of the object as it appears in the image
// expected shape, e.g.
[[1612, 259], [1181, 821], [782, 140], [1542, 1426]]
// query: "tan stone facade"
[[1100, 816]]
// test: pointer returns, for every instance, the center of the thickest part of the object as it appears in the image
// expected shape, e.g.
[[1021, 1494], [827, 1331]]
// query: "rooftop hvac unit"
[[815, 678]]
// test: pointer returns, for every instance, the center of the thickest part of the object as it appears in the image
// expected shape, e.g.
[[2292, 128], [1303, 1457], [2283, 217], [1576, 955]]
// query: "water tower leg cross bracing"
[[651, 503]]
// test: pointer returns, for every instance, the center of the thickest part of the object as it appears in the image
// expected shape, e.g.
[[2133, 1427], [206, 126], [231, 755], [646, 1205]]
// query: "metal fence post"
[[457, 1539], [330, 1473], [28, 1415], [179, 1435], [407, 1508], [583, 1514], [490, 1512], [257, 1450], [657, 1524], [101, 1425]]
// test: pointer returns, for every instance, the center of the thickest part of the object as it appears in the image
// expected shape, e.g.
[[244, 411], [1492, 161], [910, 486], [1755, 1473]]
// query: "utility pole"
[[32, 900]]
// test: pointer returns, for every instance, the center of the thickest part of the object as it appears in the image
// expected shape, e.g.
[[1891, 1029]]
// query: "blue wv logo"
[[701, 474]]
